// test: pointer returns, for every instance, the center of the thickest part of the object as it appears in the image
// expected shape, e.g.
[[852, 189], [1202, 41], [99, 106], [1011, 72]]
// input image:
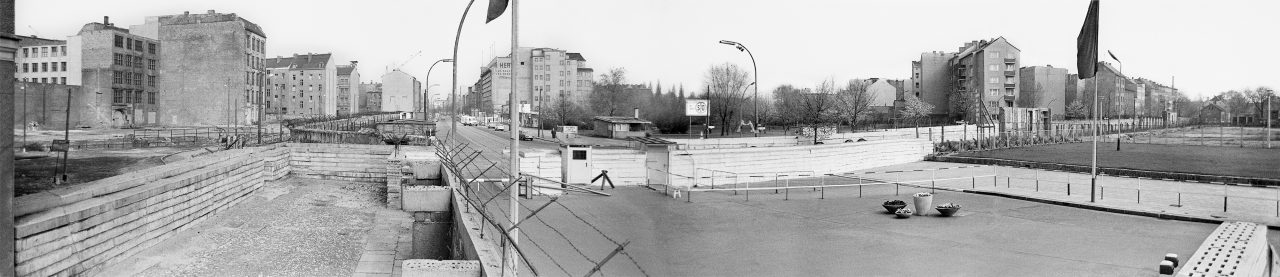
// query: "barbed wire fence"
[[485, 184]]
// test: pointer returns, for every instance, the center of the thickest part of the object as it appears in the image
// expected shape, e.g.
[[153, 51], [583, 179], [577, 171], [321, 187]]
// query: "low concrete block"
[[426, 198], [440, 268]]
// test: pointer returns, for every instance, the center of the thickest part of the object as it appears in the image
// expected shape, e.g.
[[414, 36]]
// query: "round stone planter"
[[894, 208], [948, 211]]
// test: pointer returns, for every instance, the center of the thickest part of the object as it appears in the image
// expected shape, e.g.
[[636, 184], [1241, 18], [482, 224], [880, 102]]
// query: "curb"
[[1102, 208]]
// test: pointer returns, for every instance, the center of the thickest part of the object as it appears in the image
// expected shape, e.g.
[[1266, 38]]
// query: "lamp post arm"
[[453, 118]]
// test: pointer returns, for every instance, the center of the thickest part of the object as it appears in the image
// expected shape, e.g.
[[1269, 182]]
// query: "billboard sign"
[[697, 107]]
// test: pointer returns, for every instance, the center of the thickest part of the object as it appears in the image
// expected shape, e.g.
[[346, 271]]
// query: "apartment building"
[[47, 61]]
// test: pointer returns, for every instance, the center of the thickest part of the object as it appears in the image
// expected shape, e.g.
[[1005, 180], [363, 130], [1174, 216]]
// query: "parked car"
[[525, 137], [500, 127]]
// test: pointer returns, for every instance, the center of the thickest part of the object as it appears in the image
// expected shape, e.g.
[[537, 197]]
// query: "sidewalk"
[[1138, 196]]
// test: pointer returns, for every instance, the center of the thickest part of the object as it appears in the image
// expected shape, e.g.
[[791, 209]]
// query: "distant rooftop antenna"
[[34, 33]]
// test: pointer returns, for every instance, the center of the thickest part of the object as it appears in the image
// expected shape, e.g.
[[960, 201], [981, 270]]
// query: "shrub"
[[33, 146]]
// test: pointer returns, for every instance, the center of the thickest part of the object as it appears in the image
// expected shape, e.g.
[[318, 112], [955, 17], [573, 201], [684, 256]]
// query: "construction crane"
[[415, 55]]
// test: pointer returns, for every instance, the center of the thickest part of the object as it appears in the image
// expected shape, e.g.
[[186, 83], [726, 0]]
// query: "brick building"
[[213, 66], [120, 75], [348, 89], [303, 85], [371, 96]]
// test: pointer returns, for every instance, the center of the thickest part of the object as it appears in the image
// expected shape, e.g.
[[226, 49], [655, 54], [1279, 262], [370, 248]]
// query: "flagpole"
[[1093, 182], [514, 166]]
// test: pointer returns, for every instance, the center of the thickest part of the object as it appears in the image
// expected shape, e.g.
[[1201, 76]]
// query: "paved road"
[[719, 234]]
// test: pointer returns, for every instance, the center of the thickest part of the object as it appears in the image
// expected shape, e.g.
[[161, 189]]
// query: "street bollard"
[[974, 182]]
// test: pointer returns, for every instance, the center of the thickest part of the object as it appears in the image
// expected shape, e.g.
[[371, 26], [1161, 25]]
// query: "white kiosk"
[[575, 162]]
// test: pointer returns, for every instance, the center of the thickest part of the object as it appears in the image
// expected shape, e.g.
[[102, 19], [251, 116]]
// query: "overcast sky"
[[1210, 46]]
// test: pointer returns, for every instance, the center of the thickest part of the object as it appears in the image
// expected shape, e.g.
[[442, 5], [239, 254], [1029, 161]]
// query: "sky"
[[1201, 47]]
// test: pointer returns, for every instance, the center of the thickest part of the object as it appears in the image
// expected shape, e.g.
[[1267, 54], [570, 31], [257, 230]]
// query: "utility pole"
[[514, 194], [66, 136]]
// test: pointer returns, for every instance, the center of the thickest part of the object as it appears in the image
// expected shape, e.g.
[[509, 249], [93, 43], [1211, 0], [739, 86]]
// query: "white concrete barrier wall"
[[625, 166], [818, 159]]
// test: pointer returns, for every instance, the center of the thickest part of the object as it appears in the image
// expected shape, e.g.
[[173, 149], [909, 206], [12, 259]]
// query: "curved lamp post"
[[755, 104], [428, 81]]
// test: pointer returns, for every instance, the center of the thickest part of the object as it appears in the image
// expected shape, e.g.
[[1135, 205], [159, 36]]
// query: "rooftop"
[[622, 120], [36, 41], [300, 62]]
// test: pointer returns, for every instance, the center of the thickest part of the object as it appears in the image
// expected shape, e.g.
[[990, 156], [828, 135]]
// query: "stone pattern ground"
[[292, 227], [1231, 161], [36, 175]]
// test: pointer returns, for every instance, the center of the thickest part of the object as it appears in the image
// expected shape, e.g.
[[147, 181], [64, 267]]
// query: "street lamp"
[[1124, 81], [428, 81], [755, 105]]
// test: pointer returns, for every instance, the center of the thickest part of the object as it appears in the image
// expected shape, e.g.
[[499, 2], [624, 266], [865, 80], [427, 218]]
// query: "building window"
[[119, 60], [128, 43], [64, 80], [137, 79], [116, 78], [26, 52], [151, 48], [64, 50], [151, 80], [55, 50], [116, 95], [55, 67], [137, 96], [64, 66], [44, 52], [151, 98], [25, 65], [44, 67], [119, 42], [993, 67], [44, 80], [151, 64]]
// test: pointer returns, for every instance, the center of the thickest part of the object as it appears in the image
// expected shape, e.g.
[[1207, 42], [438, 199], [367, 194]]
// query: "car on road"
[[525, 137], [499, 127]]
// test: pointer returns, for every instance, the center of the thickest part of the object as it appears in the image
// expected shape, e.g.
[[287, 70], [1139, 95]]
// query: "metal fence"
[[485, 183], [1204, 197]]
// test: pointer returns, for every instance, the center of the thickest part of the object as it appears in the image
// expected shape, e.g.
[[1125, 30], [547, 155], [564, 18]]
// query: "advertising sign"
[[697, 107]]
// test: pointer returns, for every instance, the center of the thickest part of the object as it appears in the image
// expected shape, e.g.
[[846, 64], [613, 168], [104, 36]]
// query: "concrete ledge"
[[447, 268], [1181, 176]]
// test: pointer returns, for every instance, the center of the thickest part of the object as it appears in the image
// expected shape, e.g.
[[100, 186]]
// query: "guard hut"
[[657, 161], [620, 127], [575, 157]]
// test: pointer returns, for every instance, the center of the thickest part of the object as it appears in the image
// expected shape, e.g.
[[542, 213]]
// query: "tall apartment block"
[[546, 75], [41, 60], [979, 74], [213, 66], [120, 75], [348, 89], [302, 85]]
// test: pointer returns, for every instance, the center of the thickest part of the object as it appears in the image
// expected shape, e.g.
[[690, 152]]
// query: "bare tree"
[[853, 102], [609, 96], [564, 111], [807, 108], [915, 109], [1077, 109], [1258, 97], [726, 84]]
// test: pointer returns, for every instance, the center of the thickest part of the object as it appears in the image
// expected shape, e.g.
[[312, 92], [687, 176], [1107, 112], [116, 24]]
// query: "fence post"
[[974, 182]]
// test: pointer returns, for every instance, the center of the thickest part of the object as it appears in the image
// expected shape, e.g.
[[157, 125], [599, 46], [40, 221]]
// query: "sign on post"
[[697, 107], [60, 145]]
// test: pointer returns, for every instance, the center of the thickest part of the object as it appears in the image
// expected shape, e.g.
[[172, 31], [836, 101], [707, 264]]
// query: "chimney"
[[211, 12], [106, 20], [186, 12], [353, 63], [637, 111]]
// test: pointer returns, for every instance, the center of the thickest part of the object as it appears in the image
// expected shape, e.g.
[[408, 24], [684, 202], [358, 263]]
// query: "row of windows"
[[44, 67], [123, 95], [996, 80], [132, 61], [132, 78], [254, 43], [996, 55], [44, 51], [254, 62], [994, 67], [47, 80], [134, 44]]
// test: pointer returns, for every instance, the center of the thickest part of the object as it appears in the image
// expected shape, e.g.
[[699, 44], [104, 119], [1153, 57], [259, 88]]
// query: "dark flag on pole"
[[1113, 56], [1086, 43], [496, 8]]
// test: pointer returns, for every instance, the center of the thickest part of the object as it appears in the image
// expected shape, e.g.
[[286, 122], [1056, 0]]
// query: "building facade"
[[931, 80], [1043, 87], [546, 75], [303, 85], [120, 70], [348, 89], [213, 66], [981, 73], [46, 61], [370, 96], [1110, 92], [401, 92]]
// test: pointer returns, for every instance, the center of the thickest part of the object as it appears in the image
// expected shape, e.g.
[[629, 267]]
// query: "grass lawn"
[[1232, 161]]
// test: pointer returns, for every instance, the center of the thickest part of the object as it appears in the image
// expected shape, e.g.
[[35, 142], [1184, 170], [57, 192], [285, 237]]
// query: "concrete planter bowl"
[[948, 209], [893, 206], [903, 213]]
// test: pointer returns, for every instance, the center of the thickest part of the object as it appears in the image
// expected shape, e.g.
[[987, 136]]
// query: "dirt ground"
[[36, 170]]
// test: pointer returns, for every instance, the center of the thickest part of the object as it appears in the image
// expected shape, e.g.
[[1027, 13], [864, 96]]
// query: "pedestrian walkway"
[[1142, 196]]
